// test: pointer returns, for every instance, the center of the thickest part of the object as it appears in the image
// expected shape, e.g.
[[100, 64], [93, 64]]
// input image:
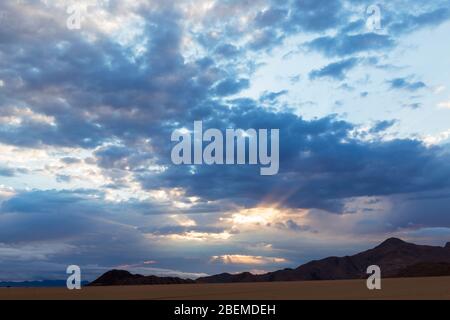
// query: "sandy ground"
[[410, 288]]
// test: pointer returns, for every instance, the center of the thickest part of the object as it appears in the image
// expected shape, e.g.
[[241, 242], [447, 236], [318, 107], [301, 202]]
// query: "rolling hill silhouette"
[[395, 257], [122, 277]]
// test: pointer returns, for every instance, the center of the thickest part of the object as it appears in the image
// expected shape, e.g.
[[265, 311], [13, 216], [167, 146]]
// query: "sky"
[[360, 92]]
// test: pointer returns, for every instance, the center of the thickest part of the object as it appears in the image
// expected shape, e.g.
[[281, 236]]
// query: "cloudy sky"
[[86, 117]]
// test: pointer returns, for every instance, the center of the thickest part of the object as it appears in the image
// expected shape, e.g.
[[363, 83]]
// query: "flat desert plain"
[[399, 288]]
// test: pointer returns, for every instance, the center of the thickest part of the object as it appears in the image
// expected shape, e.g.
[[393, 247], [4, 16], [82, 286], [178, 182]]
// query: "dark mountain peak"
[[394, 256], [112, 276], [117, 273], [392, 242], [123, 277]]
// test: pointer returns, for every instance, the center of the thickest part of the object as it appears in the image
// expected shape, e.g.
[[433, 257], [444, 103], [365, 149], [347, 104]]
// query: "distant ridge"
[[392, 255], [122, 277], [395, 257], [36, 284]]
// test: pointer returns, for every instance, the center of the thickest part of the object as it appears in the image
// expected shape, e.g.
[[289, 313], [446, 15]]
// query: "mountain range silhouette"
[[395, 257]]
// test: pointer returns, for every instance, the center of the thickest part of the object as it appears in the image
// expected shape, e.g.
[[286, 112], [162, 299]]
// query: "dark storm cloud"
[[410, 22], [12, 172], [413, 106], [317, 15], [353, 37], [266, 39], [231, 86], [382, 125], [271, 22], [410, 212], [406, 84], [272, 96], [46, 201], [426, 209], [45, 215], [83, 202], [90, 229], [126, 97], [335, 70], [227, 50], [293, 226], [42, 232], [177, 229], [320, 165], [70, 160], [270, 17], [108, 157], [71, 131], [110, 95], [344, 45], [7, 172]]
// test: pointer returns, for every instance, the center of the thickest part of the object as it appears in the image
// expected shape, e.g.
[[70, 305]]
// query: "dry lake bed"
[[400, 288]]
